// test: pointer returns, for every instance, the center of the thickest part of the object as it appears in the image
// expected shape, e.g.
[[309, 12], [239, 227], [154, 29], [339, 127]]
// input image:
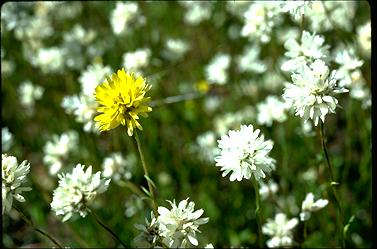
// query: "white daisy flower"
[[12, 175], [216, 70], [244, 153], [76, 191]]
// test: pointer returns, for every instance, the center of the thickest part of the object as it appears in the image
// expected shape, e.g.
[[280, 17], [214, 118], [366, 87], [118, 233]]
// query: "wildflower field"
[[186, 124]]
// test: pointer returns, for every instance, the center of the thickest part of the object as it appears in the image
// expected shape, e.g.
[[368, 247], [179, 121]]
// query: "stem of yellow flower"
[[333, 187], [258, 211], [30, 223], [154, 203], [106, 227], [175, 99]]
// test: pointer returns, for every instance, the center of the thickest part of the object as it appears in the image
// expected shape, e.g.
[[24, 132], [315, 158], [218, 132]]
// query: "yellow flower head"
[[121, 99]]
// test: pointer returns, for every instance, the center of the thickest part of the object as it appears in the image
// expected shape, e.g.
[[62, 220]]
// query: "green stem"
[[106, 227], [150, 187], [30, 223], [333, 187], [258, 211]]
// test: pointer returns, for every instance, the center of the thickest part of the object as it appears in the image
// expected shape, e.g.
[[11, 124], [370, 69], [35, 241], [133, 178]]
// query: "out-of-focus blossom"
[[216, 70]]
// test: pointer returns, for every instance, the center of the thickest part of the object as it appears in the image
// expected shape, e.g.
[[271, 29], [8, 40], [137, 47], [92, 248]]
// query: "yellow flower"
[[121, 99]]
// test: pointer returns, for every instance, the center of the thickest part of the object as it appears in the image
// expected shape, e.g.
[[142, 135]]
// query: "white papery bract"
[[244, 153], [76, 191], [56, 150], [179, 225], [311, 48], [280, 230], [312, 92], [309, 205], [12, 175]]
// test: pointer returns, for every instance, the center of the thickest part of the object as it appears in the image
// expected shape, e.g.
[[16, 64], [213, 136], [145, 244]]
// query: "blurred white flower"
[[312, 93], [196, 12], [93, 76], [149, 233], [133, 204], [209, 246], [122, 15], [296, 8], [29, 93], [76, 191], [309, 205], [259, 20], [207, 148], [179, 225], [6, 139], [244, 153], [49, 60], [311, 48], [271, 109], [280, 229], [348, 63], [13, 175], [117, 167], [175, 48], [134, 61], [364, 38], [269, 189], [56, 150], [79, 35], [249, 61], [216, 70]]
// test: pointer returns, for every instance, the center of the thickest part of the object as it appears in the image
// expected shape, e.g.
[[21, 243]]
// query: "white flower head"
[[176, 48], [364, 38], [56, 150], [348, 63], [296, 8], [13, 175], [309, 205], [216, 70], [122, 15], [6, 139], [207, 147], [311, 48], [135, 61], [92, 76], [179, 225], [117, 167], [76, 191], [29, 93], [196, 12], [272, 109], [312, 92], [244, 153], [280, 230], [268, 189], [249, 61]]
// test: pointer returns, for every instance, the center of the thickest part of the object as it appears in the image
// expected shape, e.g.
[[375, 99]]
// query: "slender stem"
[[305, 230], [30, 223], [106, 227], [258, 211], [175, 99], [150, 187], [333, 187]]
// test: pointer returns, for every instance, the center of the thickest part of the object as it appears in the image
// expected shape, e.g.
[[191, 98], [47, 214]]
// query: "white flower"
[[271, 109], [56, 150], [296, 8], [311, 48], [76, 191], [309, 205], [348, 63], [6, 139], [196, 12], [93, 75], [150, 233], [117, 167], [122, 15], [280, 230], [207, 148], [364, 33], [49, 59], [259, 20], [244, 153], [175, 48], [134, 61], [29, 93], [216, 70], [249, 61], [179, 225], [312, 92], [268, 189], [12, 175]]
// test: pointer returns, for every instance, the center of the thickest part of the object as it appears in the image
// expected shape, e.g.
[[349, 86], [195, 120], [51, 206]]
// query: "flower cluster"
[[309, 205], [76, 191], [280, 230], [245, 153], [13, 175]]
